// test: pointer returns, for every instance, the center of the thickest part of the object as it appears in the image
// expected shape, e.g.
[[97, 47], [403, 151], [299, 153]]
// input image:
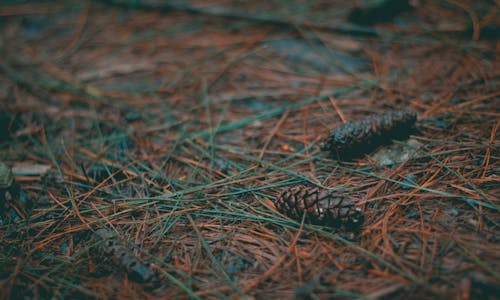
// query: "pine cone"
[[354, 139], [322, 207], [122, 257]]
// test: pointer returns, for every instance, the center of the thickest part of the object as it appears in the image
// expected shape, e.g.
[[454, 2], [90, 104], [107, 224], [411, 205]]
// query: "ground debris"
[[176, 130], [397, 153], [27, 169]]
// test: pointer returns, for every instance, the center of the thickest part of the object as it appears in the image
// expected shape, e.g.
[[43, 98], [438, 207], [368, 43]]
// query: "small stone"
[[221, 165], [64, 248], [453, 212], [409, 182], [133, 116], [411, 214]]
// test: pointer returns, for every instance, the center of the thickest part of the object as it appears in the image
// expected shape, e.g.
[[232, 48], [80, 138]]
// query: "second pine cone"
[[322, 207], [355, 139]]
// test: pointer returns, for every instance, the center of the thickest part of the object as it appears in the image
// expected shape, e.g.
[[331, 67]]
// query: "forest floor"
[[150, 141]]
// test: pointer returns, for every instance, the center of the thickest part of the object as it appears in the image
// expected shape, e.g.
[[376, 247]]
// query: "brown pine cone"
[[354, 139], [322, 207]]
